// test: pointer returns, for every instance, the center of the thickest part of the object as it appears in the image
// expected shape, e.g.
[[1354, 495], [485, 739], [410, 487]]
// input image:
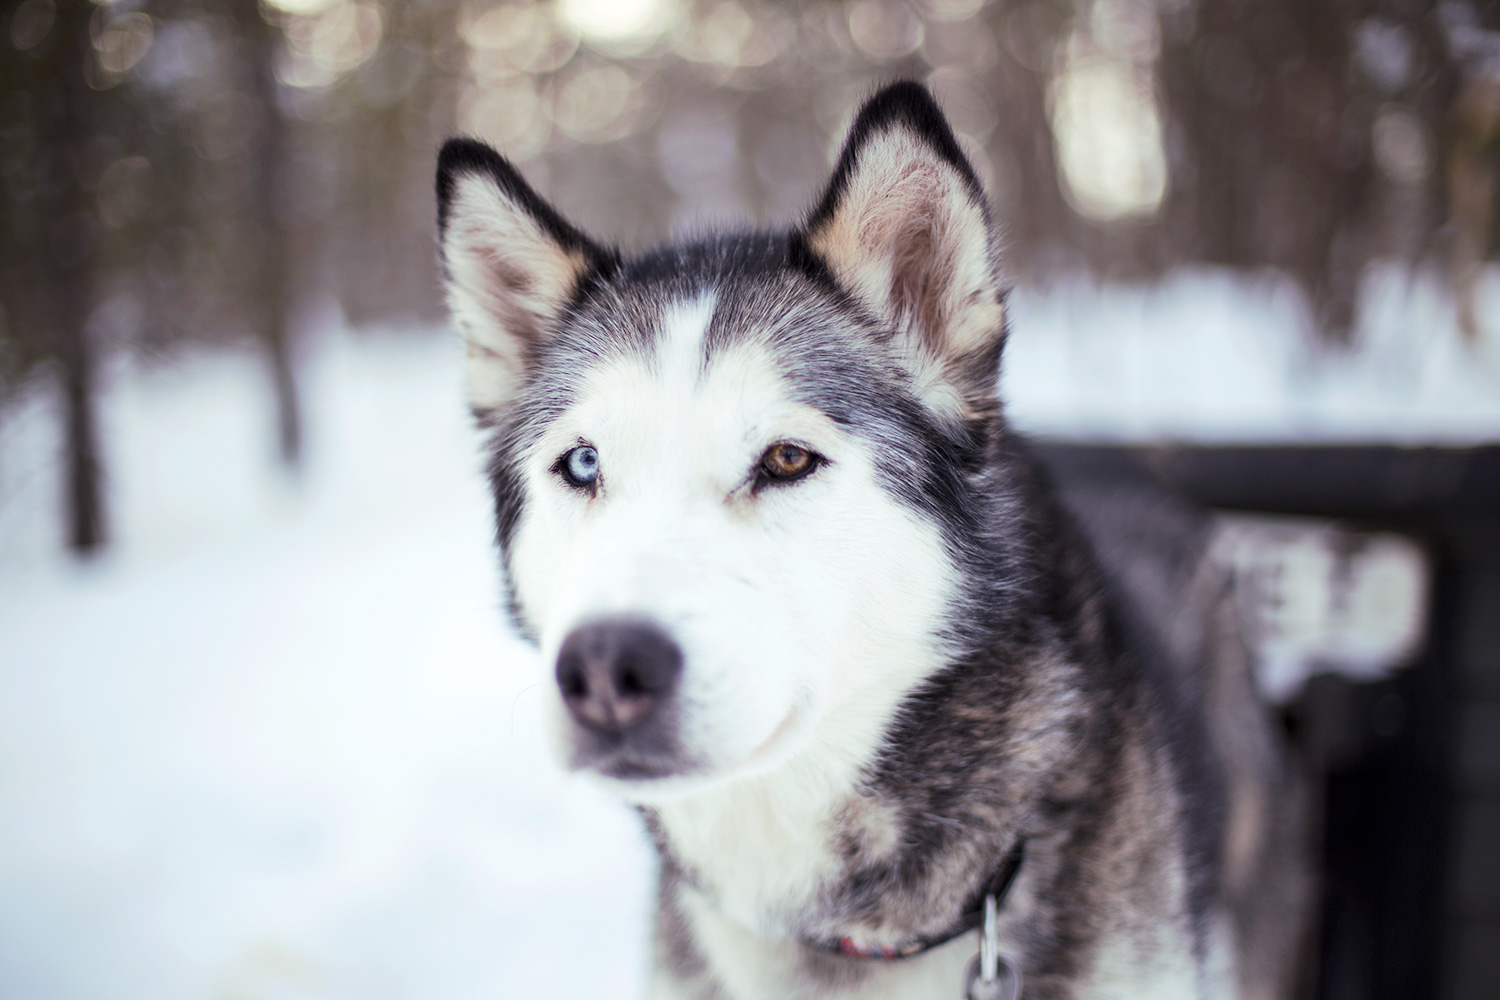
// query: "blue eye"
[[581, 466]]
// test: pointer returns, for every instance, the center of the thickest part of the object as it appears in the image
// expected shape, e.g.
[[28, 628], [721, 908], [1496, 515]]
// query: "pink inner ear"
[[504, 289], [910, 239], [919, 283], [503, 271], [907, 225]]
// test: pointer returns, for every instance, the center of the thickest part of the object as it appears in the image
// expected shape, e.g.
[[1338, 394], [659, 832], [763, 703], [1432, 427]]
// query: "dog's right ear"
[[904, 229], [511, 265]]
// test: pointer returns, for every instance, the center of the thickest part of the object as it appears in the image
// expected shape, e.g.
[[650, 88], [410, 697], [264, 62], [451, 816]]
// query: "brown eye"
[[785, 460]]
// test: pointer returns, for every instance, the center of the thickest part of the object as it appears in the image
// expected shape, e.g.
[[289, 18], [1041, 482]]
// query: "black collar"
[[970, 919]]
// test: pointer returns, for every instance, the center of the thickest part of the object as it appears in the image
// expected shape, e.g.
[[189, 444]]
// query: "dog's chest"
[[764, 849], [760, 853]]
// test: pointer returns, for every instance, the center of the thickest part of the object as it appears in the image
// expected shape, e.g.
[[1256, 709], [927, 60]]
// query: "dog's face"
[[726, 473]]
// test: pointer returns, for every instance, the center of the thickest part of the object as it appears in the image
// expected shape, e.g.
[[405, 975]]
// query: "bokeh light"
[[303, 7], [1105, 120], [618, 22], [30, 22], [518, 39], [123, 42], [884, 29]]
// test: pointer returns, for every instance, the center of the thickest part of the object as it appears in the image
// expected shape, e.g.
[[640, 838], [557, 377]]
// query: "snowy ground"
[[278, 743]]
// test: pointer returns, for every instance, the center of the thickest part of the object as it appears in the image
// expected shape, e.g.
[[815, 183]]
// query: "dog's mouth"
[[635, 768], [647, 778], [631, 758]]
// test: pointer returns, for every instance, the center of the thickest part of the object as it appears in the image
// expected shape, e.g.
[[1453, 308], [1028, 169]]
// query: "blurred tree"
[[181, 172], [1472, 142], [268, 243], [75, 240], [1301, 124], [52, 234]]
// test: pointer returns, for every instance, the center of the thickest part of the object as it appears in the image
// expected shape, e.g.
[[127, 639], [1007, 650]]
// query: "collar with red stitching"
[[971, 918]]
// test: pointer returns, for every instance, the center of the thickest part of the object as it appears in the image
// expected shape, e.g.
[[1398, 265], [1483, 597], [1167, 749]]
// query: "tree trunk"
[[85, 500], [272, 287], [74, 249]]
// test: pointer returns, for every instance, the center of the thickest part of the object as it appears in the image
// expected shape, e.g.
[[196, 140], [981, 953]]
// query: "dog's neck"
[[814, 849], [762, 846]]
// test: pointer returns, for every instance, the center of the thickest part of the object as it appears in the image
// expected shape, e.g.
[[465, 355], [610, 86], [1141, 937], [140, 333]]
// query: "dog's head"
[[729, 476]]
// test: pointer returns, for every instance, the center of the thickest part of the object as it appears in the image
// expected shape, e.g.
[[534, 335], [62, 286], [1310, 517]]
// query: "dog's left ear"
[[511, 265], [904, 229]]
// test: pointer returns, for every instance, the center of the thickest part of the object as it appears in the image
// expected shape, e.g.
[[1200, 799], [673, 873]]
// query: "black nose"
[[616, 672]]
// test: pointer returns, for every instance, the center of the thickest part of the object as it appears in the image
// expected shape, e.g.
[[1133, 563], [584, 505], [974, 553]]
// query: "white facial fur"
[[789, 604]]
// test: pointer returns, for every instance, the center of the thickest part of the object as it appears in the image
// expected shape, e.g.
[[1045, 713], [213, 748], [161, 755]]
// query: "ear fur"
[[904, 229], [510, 262]]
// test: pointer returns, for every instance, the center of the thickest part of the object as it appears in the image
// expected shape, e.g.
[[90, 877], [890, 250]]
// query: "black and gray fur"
[[1097, 700]]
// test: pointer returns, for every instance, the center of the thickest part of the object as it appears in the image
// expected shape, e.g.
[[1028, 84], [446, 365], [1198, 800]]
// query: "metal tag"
[[991, 976], [1005, 986]]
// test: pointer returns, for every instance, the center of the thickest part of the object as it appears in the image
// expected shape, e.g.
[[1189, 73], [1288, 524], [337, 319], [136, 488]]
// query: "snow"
[[279, 743], [1213, 357]]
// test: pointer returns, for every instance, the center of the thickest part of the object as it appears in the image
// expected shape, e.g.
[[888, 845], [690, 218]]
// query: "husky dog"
[[815, 612]]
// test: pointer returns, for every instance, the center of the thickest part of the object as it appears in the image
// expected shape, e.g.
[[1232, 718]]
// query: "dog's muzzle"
[[619, 679]]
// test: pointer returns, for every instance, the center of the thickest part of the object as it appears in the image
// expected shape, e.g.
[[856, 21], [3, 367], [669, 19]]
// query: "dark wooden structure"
[[1410, 766]]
